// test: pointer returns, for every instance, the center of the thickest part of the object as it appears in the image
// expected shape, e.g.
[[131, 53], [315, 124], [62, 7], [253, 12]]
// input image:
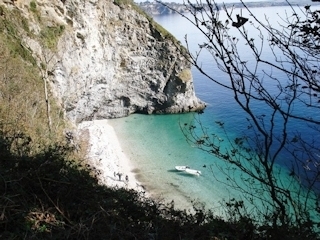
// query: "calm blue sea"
[[155, 143]]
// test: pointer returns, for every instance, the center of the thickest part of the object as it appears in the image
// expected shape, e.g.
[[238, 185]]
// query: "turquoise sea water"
[[155, 143]]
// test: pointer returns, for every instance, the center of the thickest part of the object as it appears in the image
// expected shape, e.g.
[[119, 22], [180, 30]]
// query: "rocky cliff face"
[[110, 61]]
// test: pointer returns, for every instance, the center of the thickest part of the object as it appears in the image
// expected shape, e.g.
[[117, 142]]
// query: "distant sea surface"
[[155, 143]]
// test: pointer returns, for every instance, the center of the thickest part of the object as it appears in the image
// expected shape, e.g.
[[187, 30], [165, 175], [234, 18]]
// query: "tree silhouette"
[[287, 88]]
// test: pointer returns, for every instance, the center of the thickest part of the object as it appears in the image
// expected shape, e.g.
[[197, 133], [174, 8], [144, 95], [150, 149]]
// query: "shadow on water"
[[184, 174], [181, 173]]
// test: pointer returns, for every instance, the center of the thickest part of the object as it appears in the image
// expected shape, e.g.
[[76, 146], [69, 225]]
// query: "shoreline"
[[104, 153], [159, 181]]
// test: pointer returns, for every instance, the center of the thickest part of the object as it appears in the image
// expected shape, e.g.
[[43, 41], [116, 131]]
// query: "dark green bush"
[[33, 6]]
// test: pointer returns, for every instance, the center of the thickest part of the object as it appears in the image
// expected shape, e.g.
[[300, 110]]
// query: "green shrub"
[[163, 32], [122, 3], [51, 35], [33, 6]]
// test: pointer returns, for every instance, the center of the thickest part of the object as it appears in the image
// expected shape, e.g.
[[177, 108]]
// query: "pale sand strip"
[[105, 154]]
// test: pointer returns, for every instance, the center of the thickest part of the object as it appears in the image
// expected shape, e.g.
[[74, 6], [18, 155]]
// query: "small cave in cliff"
[[125, 101]]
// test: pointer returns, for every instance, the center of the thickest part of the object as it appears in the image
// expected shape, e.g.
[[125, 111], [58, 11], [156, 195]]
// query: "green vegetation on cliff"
[[154, 25], [23, 106]]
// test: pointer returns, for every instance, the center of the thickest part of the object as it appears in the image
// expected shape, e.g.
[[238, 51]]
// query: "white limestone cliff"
[[109, 61]]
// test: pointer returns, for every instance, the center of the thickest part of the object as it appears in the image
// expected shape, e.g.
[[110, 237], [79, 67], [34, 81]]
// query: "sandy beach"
[[106, 155]]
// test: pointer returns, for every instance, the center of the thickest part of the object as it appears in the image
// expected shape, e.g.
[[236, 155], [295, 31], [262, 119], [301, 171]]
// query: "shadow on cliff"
[[46, 197]]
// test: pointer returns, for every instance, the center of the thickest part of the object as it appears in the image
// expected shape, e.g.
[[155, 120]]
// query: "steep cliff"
[[104, 59]]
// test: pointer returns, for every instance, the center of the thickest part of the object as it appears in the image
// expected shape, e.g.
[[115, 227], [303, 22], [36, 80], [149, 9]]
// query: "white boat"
[[188, 170], [193, 171], [181, 168]]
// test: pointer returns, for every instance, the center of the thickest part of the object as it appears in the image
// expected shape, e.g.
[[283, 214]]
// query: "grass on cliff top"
[[49, 35], [14, 24], [162, 31]]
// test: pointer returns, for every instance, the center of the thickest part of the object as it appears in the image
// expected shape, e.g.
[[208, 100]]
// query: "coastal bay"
[[155, 144]]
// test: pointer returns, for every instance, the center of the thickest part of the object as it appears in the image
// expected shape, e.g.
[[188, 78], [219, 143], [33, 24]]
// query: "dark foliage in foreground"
[[47, 197]]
